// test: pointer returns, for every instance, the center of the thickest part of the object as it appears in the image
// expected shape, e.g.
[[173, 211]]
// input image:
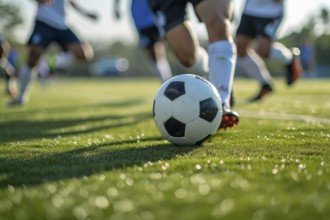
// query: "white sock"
[[281, 53], [25, 76], [201, 66], [43, 67], [64, 59], [222, 61], [254, 66], [163, 69]]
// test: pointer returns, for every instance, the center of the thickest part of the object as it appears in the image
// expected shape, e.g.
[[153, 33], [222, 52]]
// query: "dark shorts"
[[148, 36], [170, 13], [252, 26], [44, 34]]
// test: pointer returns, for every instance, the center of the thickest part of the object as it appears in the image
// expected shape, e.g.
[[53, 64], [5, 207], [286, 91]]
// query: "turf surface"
[[89, 149]]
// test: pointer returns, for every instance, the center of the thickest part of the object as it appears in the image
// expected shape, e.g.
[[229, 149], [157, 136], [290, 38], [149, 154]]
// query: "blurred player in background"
[[307, 57], [259, 23], [50, 26], [150, 38], [220, 60], [8, 59]]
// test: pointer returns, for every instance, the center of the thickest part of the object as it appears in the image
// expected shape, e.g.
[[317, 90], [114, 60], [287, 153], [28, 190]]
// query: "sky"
[[107, 29]]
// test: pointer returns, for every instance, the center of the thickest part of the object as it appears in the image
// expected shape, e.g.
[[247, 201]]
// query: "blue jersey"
[[142, 14]]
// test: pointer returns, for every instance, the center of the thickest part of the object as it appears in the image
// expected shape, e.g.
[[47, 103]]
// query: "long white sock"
[[25, 76], [64, 59], [222, 61], [201, 66], [254, 66], [281, 53], [43, 67], [163, 69]]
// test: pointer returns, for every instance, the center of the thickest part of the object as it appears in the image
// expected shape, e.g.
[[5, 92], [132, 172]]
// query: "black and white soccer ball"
[[187, 109]]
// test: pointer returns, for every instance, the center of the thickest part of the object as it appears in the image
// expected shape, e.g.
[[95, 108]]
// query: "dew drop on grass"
[[204, 189], [275, 171], [112, 191], [301, 166], [180, 193], [57, 200], [84, 193], [51, 188], [124, 205], [79, 213], [101, 177], [11, 189], [101, 202], [165, 166], [224, 207]]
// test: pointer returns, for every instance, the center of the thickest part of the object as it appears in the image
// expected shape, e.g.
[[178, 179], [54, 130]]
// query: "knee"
[[263, 52], [219, 27], [83, 52], [186, 59]]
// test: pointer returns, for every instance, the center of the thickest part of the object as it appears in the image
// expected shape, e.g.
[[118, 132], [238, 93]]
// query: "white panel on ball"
[[185, 108]]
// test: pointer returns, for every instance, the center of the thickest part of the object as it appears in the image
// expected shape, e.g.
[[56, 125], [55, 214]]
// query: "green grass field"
[[89, 149]]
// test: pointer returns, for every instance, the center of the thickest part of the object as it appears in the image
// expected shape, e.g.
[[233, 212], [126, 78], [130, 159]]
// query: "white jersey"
[[264, 8], [53, 14]]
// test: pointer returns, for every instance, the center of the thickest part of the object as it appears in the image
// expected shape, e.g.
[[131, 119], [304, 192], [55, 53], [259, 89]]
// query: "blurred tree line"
[[316, 29]]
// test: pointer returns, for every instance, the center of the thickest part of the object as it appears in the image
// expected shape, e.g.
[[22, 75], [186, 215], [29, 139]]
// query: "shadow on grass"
[[23, 130], [84, 161]]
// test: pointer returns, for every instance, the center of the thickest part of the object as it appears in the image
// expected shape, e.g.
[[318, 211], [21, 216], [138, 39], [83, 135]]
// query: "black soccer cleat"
[[294, 69], [265, 89], [229, 119]]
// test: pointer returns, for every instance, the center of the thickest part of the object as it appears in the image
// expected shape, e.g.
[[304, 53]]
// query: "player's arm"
[[82, 11], [116, 10]]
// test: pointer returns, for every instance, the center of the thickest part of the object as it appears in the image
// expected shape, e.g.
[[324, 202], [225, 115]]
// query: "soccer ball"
[[187, 109]]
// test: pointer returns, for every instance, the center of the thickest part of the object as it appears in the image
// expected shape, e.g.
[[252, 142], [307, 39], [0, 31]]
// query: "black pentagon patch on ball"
[[174, 127], [208, 109], [174, 90]]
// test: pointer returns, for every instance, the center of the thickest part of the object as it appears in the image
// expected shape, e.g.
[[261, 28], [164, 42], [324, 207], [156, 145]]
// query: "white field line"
[[269, 115]]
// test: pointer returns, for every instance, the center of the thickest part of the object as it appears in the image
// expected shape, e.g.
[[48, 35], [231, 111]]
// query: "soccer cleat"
[[265, 89], [294, 68], [229, 118], [16, 102]]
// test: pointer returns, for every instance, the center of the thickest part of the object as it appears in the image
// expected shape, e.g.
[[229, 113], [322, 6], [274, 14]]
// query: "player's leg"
[[289, 58], [267, 48], [217, 16], [170, 19], [150, 41], [80, 51], [40, 38], [248, 61], [184, 43], [7, 68], [159, 63], [73, 48]]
